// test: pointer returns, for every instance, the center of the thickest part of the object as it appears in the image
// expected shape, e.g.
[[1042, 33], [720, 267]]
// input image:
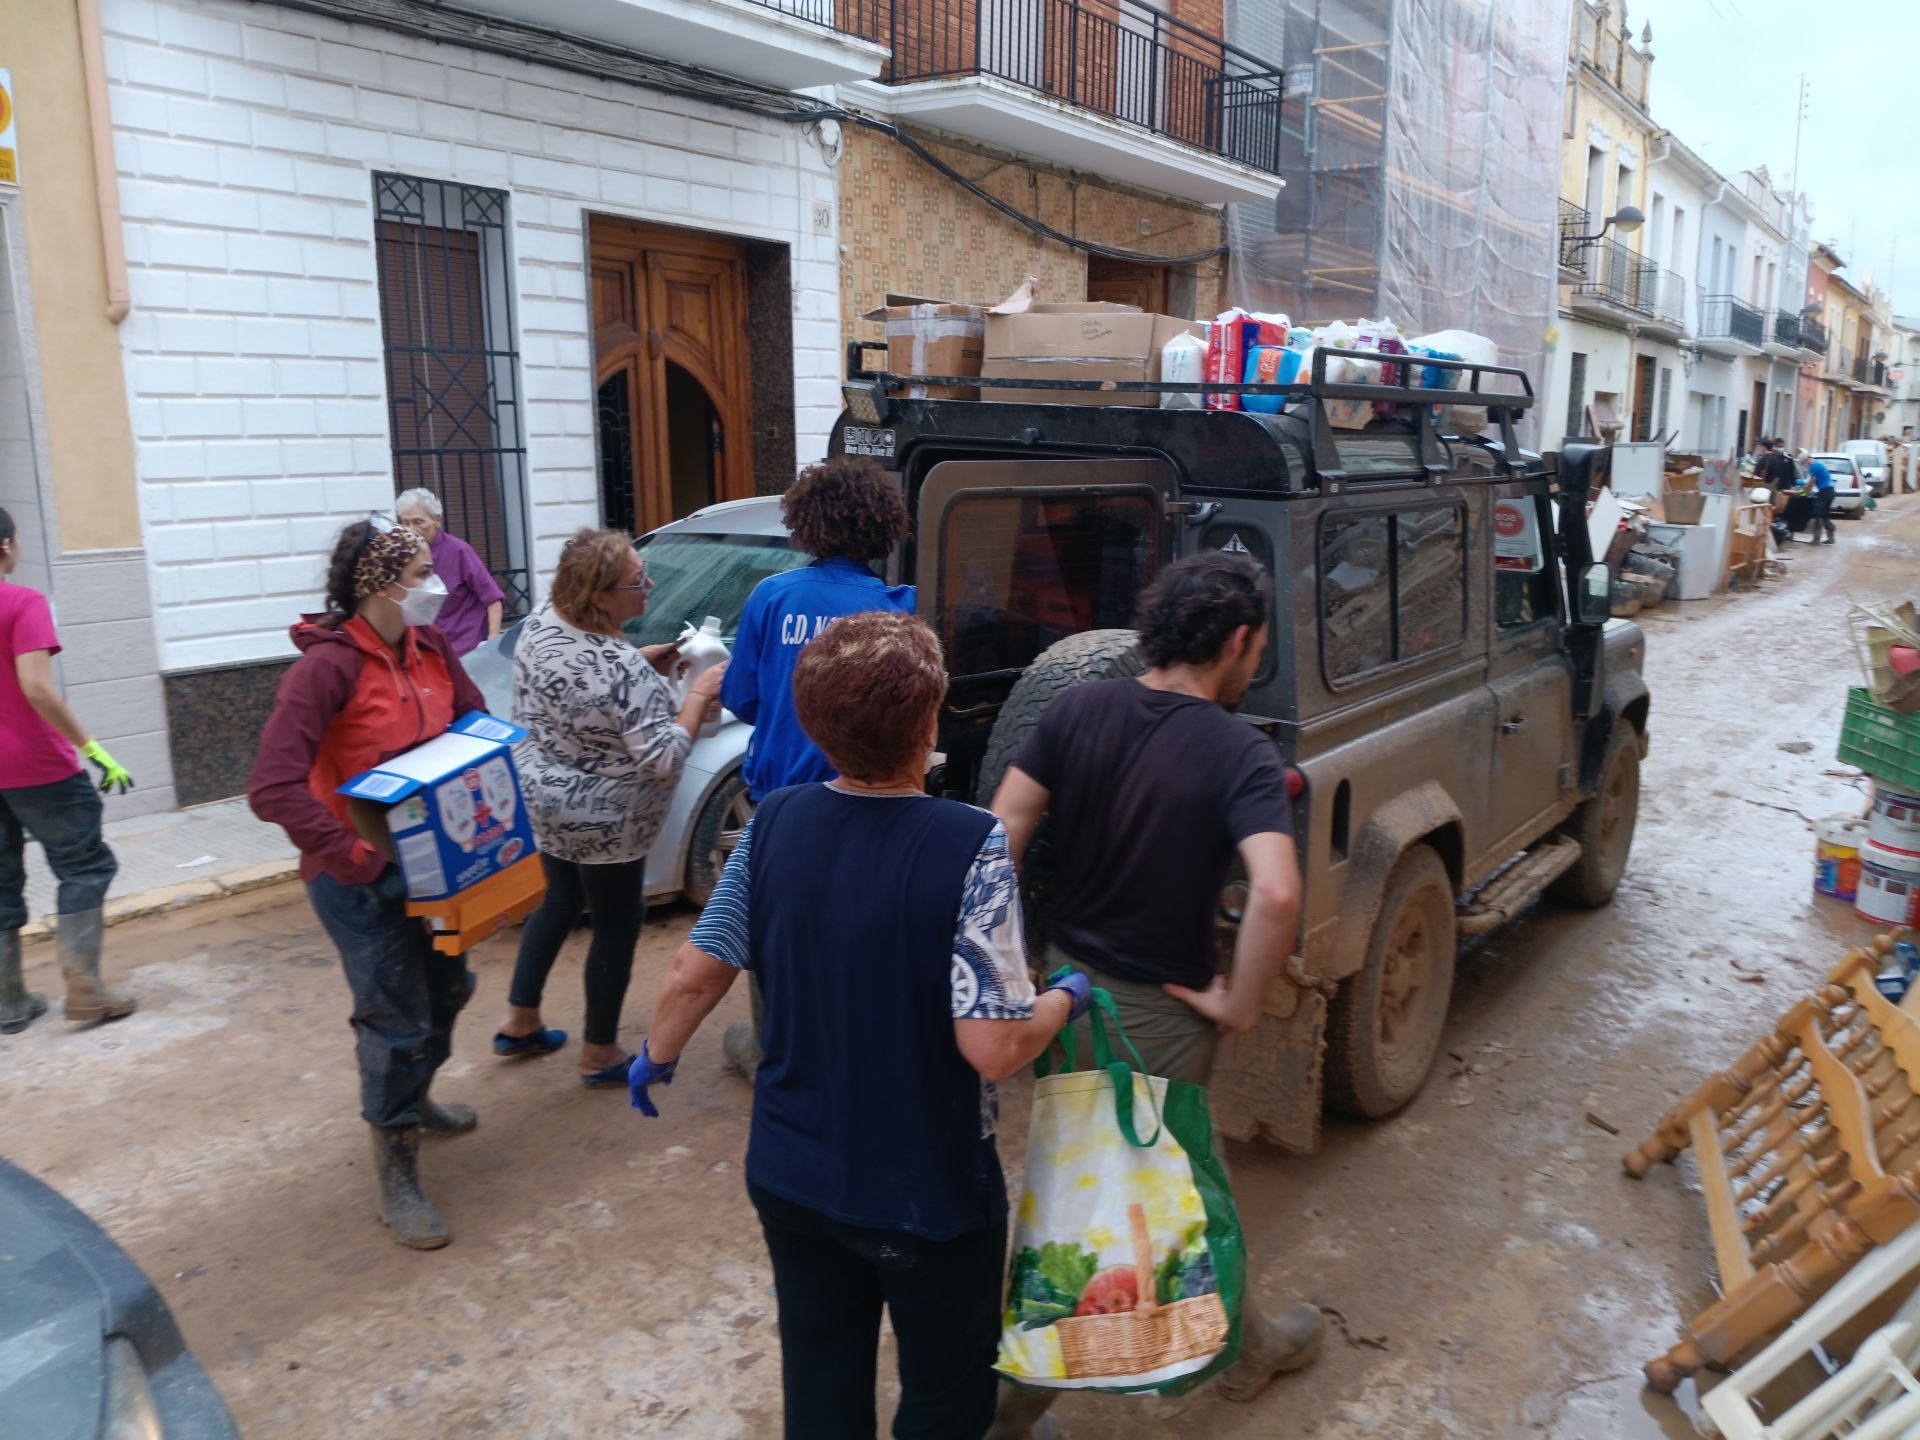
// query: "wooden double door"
[[670, 357]]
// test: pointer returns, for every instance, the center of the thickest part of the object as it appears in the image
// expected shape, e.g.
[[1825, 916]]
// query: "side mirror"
[[1595, 597]]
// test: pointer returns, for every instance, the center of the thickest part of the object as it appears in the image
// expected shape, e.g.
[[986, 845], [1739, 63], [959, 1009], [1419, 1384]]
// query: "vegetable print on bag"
[[1128, 1262]]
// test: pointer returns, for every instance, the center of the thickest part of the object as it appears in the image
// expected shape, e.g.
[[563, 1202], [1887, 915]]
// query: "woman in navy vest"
[[884, 927]]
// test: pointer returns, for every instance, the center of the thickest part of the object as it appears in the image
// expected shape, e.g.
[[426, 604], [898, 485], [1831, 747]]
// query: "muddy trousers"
[[1176, 1042], [405, 993], [65, 818], [832, 1281], [1822, 516]]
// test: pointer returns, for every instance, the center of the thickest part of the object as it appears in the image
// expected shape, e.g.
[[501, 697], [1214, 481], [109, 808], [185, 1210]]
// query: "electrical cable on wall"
[[433, 20]]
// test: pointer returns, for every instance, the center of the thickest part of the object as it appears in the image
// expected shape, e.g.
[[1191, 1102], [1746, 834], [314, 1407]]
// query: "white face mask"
[[420, 604]]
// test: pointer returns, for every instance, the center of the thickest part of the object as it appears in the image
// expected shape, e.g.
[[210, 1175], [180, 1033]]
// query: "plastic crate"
[[1882, 742]]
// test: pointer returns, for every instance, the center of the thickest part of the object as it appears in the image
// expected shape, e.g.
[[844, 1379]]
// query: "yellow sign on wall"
[[9, 156]]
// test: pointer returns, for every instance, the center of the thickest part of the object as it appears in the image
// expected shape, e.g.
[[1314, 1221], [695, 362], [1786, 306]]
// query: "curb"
[[178, 897]]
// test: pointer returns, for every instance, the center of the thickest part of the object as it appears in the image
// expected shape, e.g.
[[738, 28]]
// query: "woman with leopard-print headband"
[[375, 677]]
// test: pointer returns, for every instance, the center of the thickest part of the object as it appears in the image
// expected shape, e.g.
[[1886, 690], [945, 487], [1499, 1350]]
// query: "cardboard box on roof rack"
[[1077, 340], [932, 337]]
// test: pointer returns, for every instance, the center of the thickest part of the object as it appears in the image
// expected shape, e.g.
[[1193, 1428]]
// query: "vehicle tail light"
[[1296, 782]]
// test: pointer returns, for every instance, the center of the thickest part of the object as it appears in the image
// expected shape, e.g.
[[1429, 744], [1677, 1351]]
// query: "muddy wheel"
[[1604, 824], [715, 833], [1077, 660], [1384, 1029]]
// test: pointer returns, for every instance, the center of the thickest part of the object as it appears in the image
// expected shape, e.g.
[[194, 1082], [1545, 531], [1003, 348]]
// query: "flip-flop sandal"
[[614, 1074], [540, 1042]]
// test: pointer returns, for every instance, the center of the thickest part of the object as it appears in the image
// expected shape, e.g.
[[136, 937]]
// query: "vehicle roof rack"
[[870, 390]]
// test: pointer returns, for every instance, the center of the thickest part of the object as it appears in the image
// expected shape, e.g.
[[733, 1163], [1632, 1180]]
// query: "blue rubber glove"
[[1077, 987], [646, 1071]]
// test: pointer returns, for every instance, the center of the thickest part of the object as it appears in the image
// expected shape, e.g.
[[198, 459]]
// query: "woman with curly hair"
[[848, 514], [606, 742]]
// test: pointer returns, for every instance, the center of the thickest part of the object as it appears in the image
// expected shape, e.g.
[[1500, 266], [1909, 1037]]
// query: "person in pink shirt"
[[471, 615], [45, 793]]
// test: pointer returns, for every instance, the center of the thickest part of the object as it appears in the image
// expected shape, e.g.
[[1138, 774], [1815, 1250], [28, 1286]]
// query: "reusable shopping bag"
[[1128, 1262]]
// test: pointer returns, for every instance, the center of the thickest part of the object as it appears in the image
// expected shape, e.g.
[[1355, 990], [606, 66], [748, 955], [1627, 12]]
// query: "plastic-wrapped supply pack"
[[1183, 361]]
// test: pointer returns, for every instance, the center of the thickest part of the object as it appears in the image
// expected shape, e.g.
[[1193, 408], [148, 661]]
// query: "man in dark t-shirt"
[[1153, 787]]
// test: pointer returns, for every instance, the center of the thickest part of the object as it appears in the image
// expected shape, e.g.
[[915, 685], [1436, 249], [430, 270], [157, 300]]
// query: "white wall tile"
[[248, 138]]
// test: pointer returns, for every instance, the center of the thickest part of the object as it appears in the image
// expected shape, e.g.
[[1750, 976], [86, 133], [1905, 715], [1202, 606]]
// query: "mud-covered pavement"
[[1493, 1272]]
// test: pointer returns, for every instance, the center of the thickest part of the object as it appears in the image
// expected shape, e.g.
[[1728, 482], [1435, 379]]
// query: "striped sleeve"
[[721, 930]]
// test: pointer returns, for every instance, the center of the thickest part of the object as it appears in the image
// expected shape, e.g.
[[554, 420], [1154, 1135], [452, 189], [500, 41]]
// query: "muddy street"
[[1490, 1270]]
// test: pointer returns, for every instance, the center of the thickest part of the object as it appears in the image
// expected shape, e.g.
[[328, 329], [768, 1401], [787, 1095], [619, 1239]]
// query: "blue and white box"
[[452, 806]]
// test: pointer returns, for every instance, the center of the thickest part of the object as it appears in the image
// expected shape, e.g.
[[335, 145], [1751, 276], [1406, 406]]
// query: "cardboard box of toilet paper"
[[451, 807]]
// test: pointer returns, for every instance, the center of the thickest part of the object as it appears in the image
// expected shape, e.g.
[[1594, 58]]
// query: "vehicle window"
[[1019, 572], [1377, 453], [1429, 569], [1523, 586], [696, 575], [1840, 466], [1392, 587], [1356, 595]]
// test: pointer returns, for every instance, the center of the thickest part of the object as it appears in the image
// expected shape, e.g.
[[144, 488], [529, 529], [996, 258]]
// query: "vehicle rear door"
[[1528, 671], [1015, 554]]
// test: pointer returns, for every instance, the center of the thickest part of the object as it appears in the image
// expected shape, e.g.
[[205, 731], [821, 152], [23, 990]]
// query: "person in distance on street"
[[375, 677], [848, 514], [1136, 880], [45, 793], [884, 926], [1821, 480]]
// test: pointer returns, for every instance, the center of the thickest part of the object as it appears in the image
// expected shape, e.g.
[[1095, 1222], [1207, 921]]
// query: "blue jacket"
[[1821, 476], [781, 615]]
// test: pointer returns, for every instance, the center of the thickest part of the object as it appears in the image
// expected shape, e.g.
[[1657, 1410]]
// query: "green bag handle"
[[1118, 1071]]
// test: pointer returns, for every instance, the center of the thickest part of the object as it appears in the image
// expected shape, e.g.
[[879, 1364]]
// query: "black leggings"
[[614, 897], [831, 1282]]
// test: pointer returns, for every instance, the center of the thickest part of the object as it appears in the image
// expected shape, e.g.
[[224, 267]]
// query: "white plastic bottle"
[[700, 651]]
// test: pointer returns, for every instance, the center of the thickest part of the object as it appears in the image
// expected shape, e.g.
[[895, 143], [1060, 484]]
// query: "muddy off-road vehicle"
[[1464, 722]]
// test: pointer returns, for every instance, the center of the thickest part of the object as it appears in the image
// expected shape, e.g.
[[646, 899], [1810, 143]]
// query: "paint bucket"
[[1836, 857], [1889, 887], [1894, 821]]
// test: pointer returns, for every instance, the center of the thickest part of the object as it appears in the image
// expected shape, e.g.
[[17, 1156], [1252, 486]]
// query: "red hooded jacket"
[[344, 706]]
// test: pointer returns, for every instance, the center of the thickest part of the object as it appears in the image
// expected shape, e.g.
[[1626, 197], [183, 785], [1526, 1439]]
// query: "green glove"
[[112, 772]]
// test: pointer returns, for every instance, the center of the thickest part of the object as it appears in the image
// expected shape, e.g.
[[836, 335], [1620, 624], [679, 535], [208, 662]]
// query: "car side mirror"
[[1595, 598]]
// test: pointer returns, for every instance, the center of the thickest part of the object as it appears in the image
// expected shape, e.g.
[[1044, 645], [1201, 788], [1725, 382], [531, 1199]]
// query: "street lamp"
[[1626, 220]]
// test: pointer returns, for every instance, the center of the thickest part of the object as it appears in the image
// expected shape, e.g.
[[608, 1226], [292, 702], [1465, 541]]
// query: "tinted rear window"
[[1019, 572], [697, 575]]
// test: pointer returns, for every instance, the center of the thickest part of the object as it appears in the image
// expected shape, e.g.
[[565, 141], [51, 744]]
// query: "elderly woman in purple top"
[[471, 615]]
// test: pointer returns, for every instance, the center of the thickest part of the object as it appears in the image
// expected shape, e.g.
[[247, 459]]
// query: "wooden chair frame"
[[1809, 1155]]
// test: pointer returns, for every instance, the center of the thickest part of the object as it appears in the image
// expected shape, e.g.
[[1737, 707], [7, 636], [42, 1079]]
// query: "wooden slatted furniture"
[[1809, 1156]]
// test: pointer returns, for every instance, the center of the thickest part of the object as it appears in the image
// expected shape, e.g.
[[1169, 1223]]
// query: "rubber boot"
[[19, 1006], [1271, 1345], [1022, 1415], [438, 1119], [396, 1159], [88, 998]]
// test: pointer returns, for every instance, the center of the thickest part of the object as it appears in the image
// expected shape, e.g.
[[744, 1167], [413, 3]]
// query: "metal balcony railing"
[[1786, 329], [863, 19], [1813, 336], [1120, 58], [1724, 318], [1613, 273], [1576, 224], [1664, 296], [1860, 368]]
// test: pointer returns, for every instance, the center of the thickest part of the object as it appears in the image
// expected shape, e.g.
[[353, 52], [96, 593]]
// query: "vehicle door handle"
[[1513, 726]]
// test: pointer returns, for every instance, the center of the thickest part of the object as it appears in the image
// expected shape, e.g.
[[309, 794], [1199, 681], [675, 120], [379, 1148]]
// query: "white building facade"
[[358, 257]]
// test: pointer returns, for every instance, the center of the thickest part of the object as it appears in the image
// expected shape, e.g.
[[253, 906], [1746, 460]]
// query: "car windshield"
[[696, 575]]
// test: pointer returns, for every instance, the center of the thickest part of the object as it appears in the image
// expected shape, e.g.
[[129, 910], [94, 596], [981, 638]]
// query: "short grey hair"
[[425, 499]]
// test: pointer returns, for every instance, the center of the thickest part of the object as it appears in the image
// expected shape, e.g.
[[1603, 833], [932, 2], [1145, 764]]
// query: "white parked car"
[[706, 564], [1849, 497], [1870, 458]]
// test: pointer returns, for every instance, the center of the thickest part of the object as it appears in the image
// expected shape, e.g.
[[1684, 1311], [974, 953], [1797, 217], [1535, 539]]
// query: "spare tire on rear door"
[[1077, 660]]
